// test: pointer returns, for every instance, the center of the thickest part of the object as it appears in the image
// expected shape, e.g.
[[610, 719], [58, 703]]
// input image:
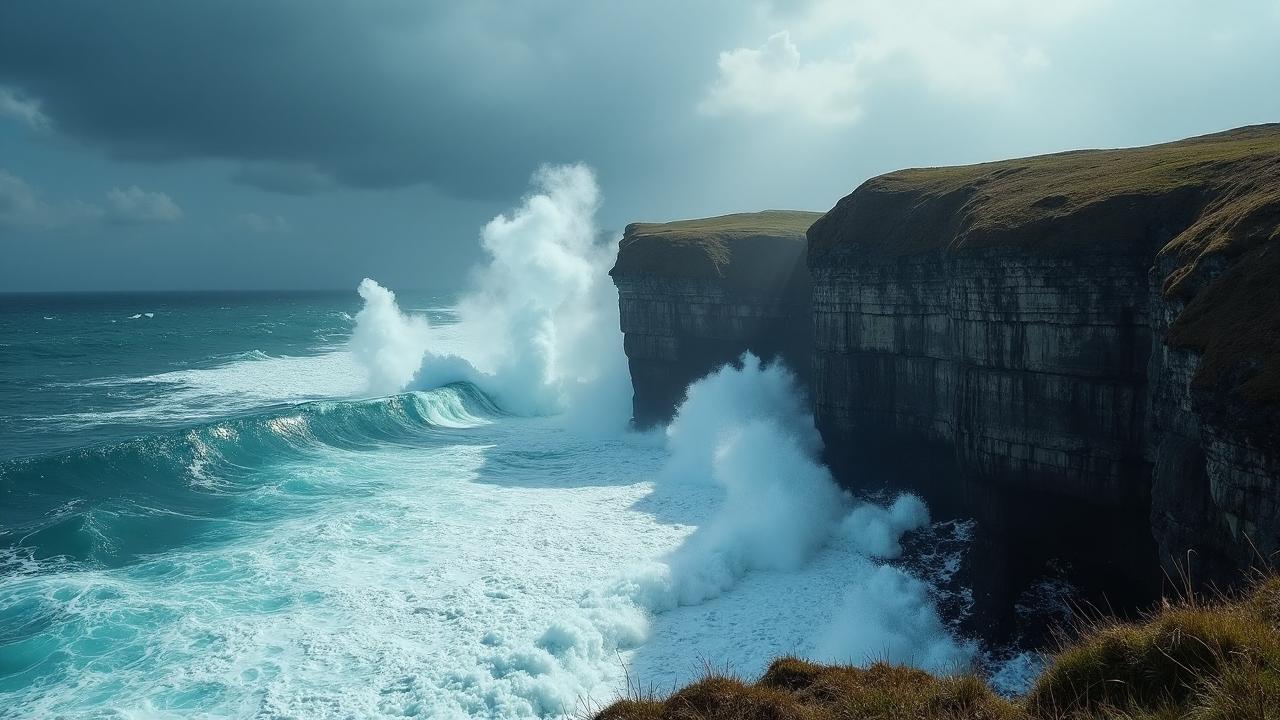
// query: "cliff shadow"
[[1104, 558]]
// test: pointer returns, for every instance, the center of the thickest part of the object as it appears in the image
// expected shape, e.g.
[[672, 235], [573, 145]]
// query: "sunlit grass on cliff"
[[1198, 659], [745, 250]]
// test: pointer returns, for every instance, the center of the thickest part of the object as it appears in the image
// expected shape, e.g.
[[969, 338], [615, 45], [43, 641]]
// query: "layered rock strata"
[[1097, 329], [1082, 350], [696, 294]]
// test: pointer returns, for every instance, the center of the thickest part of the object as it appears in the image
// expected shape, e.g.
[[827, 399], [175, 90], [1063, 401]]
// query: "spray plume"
[[541, 324], [540, 316]]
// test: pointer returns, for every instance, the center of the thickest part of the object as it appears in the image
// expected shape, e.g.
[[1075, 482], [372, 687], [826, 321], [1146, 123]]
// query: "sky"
[[257, 144]]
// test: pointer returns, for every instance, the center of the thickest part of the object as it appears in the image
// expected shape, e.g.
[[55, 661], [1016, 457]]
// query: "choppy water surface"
[[200, 515]]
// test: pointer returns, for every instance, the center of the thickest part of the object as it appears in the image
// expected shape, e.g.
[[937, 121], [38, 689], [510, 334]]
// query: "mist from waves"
[[541, 338], [471, 530], [539, 317]]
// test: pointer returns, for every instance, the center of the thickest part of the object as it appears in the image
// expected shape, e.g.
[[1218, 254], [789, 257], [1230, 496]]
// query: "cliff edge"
[[1097, 331], [695, 294]]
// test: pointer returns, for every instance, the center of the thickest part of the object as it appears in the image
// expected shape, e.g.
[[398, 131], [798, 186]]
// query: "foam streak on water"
[[424, 554]]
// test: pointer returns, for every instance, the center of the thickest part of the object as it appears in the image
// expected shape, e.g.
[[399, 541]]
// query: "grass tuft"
[[1195, 658]]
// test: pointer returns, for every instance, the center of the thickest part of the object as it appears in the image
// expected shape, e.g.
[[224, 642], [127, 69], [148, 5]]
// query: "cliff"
[[1081, 350], [1066, 346], [695, 294]]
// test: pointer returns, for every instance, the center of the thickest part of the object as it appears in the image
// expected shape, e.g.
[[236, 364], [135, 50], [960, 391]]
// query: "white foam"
[[516, 572], [387, 343], [875, 531], [422, 584], [539, 317], [743, 464], [248, 383]]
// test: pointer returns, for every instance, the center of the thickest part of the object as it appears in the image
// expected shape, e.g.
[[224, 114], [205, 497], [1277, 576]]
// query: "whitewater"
[[432, 511]]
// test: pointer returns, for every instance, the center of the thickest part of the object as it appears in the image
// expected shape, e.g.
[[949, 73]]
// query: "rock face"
[[1081, 350], [696, 294], [1080, 341]]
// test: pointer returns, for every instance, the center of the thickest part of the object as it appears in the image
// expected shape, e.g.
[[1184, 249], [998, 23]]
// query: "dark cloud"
[[388, 131], [287, 178], [465, 96]]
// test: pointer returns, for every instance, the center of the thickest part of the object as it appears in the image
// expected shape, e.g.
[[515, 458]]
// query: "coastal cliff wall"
[[1097, 331], [694, 295], [1081, 350]]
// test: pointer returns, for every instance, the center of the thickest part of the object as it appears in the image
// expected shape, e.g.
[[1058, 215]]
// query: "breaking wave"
[[108, 504], [485, 538]]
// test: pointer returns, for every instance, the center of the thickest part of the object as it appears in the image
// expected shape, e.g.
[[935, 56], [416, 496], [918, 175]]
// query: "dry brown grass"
[[1196, 659]]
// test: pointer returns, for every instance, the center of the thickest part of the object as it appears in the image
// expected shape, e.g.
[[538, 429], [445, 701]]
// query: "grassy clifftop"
[[748, 251], [1204, 211], [1214, 661], [1204, 194]]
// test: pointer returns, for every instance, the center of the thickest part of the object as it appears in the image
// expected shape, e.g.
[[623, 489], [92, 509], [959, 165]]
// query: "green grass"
[[1235, 323], [1193, 208], [756, 251], [1192, 659], [790, 224], [1227, 186]]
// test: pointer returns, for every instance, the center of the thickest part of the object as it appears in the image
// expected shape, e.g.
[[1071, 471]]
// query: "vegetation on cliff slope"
[[756, 251], [1205, 212], [1204, 194], [1191, 659]]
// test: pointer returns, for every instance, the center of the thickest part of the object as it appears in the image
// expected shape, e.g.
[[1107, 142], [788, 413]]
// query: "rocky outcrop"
[[696, 294], [1065, 346]]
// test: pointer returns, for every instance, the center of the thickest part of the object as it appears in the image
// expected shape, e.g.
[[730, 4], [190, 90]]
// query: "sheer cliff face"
[[1098, 331], [696, 294], [1081, 350]]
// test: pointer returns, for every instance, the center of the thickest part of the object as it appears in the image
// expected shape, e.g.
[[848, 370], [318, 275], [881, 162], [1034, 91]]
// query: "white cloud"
[[981, 48], [774, 78], [133, 205], [262, 223], [14, 104]]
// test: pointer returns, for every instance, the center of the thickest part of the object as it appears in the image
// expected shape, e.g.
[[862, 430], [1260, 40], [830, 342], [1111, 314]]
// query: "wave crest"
[[108, 504]]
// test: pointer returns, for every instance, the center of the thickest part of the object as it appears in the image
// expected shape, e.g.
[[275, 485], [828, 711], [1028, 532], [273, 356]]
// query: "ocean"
[[348, 504]]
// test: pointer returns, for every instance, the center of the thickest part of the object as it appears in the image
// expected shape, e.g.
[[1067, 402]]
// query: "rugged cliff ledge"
[[1096, 333], [695, 294]]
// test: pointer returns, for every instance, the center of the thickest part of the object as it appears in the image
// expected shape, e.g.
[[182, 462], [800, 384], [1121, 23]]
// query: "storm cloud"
[[469, 97], [386, 132]]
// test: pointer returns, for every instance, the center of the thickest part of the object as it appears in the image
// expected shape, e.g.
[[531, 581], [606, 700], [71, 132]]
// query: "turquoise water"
[[86, 368], [200, 516], [204, 514]]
